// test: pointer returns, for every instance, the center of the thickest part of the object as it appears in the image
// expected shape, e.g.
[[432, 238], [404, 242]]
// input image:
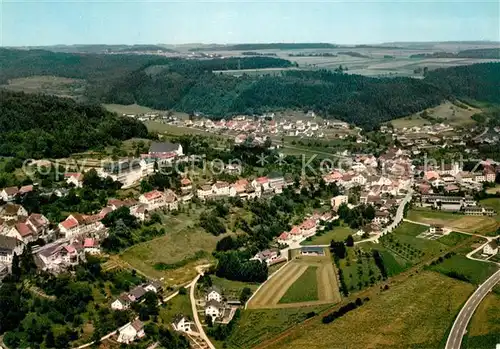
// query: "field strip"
[[327, 284], [265, 295], [261, 295], [273, 287], [294, 305], [280, 292]]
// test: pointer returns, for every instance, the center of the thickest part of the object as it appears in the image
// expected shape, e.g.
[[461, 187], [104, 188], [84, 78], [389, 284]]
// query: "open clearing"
[[468, 224], [494, 190], [484, 328], [466, 269], [51, 85], [255, 326], [181, 242], [132, 109], [451, 113], [337, 234], [272, 292], [414, 314]]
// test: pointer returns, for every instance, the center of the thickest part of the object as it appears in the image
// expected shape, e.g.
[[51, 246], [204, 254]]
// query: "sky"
[[41, 22]]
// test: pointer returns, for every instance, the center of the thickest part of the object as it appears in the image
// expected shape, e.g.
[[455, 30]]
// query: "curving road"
[[195, 311], [460, 325]]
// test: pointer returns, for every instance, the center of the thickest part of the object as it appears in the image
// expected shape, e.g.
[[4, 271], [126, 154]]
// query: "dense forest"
[[479, 81], [197, 86], [36, 126]]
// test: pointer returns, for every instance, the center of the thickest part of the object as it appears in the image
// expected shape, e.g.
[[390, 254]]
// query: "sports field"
[[458, 222], [289, 285]]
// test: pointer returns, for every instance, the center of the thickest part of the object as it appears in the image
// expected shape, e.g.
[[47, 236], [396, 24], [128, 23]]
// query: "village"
[[387, 184]]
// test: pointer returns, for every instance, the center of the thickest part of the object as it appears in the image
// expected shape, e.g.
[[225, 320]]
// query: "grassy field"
[[59, 86], [413, 314], [494, 203], [359, 268], [469, 224], [230, 288], [180, 304], [132, 109], [305, 289], [403, 242], [274, 290], [156, 126], [453, 238], [182, 241], [484, 328], [453, 115], [256, 326], [493, 190], [338, 234], [473, 271]]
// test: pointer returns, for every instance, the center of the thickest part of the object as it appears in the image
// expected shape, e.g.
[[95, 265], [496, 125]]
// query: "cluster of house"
[[267, 125], [269, 256], [215, 307], [242, 188], [57, 256], [125, 300], [453, 179], [131, 171], [456, 203], [306, 229]]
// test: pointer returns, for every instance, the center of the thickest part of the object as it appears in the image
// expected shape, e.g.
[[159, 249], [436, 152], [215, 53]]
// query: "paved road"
[[460, 325], [195, 311]]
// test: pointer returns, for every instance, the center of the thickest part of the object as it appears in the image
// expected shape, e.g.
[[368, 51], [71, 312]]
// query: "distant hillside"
[[353, 54], [190, 85], [38, 126], [483, 53], [478, 81], [270, 46]]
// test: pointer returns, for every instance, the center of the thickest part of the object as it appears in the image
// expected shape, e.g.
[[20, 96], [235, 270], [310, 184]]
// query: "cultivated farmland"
[[468, 224], [414, 314], [289, 285]]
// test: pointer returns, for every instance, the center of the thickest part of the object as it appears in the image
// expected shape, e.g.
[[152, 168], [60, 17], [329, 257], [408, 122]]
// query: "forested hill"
[[478, 82], [195, 86], [38, 126]]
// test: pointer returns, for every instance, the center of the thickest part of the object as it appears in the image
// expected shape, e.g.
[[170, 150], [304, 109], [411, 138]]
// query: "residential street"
[[460, 325]]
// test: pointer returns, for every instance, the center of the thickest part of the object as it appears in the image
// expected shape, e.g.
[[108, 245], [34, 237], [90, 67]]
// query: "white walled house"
[[153, 200], [121, 303], [181, 323], [339, 200], [11, 211], [221, 188], [8, 194], [491, 248], [214, 293], [130, 332], [75, 179], [9, 246], [214, 309], [204, 192]]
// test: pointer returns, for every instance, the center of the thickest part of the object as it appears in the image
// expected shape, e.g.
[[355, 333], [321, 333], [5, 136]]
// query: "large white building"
[[339, 200]]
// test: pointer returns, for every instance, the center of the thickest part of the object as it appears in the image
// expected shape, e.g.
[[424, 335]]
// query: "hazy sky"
[[40, 22]]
